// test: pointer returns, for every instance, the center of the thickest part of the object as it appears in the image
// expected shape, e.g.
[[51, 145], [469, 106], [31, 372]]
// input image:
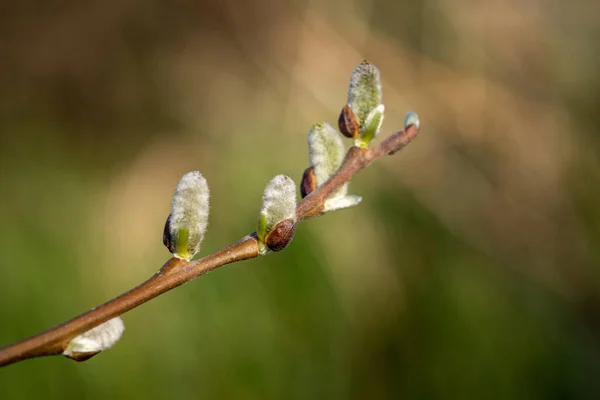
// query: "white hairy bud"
[[326, 151], [97, 339], [277, 218], [187, 223]]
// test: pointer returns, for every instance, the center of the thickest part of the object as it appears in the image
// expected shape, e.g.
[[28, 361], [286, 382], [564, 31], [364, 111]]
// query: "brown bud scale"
[[309, 182], [167, 235], [82, 356], [281, 235], [348, 123]]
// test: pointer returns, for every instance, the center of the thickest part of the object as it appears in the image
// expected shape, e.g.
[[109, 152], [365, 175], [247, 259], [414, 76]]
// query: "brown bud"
[[281, 235], [309, 182], [82, 356], [348, 123], [167, 235]]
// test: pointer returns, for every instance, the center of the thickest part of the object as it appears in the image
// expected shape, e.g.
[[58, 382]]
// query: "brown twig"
[[176, 272]]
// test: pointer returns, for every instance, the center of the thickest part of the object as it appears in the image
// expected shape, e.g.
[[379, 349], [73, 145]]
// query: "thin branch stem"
[[176, 272]]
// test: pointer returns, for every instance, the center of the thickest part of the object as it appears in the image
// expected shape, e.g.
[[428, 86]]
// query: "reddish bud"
[[281, 235], [348, 123], [309, 182], [80, 357]]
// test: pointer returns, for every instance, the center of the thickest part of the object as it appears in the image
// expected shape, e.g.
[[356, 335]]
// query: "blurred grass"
[[477, 270]]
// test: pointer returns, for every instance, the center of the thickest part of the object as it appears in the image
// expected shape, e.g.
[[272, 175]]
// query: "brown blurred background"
[[469, 271]]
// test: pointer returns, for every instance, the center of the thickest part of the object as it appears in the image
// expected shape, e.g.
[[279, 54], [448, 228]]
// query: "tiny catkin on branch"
[[324, 188]]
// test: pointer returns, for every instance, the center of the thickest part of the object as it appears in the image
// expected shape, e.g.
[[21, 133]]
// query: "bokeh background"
[[470, 270]]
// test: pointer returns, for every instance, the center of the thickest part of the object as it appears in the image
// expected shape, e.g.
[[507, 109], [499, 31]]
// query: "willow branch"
[[175, 272]]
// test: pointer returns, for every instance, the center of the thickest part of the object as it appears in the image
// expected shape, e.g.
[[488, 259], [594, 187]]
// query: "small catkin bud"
[[278, 205], [326, 151], [364, 91], [348, 123], [97, 339], [411, 119], [309, 182], [281, 235], [187, 223], [341, 202]]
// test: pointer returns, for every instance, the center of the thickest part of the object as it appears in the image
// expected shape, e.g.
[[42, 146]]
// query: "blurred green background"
[[477, 274]]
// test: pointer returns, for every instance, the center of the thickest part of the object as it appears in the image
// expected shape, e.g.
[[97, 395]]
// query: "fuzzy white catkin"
[[279, 200], [190, 209], [99, 338], [364, 91], [340, 202], [326, 151]]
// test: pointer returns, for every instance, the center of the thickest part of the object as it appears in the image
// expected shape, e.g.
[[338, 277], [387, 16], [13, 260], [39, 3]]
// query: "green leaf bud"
[[371, 127]]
